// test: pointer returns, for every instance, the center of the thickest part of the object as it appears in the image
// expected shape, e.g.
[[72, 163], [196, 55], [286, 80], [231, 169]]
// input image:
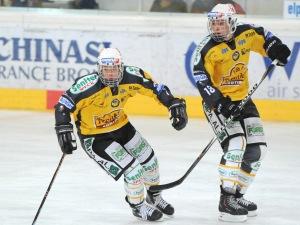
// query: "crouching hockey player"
[[221, 75], [96, 102]]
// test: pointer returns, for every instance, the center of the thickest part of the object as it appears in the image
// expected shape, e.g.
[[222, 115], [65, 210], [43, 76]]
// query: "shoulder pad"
[[84, 83], [240, 24], [247, 26], [199, 48], [132, 70]]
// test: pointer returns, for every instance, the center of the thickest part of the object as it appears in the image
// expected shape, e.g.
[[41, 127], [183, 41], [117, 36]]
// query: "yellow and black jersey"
[[221, 68], [97, 108]]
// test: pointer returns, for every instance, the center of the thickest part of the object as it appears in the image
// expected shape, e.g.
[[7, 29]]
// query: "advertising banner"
[[41, 55], [53, 59], [291, 9]]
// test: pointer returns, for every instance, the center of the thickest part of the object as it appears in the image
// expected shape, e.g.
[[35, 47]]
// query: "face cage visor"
[[110, 75], [221, 27]]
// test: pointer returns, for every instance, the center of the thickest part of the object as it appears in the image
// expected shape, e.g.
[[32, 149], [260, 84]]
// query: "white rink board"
[[84, 194], [53, 49]]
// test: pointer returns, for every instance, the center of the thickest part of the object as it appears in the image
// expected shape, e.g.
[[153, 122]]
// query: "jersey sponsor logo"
[[134, 71], [245, 51], [135, 88], [222, 171], [139, 149], [84, 83], [152, 166], [235, 155], [236, 76], [115, 103], [200, 77], [110, 61], [110, 167], [119, 154], [235, 55], [114, 170], [199, 48], [135, 178], [197, 56], [66, 102], [255, 166], [250, 34], [122, 91], [242, 42], [268, 34], [107, 120], [215, 123], [224, 50], [255, 130], [159, 87], [271, 44]]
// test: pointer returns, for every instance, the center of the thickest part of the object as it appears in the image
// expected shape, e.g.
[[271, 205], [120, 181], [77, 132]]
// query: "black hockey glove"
[[227, 108], [66, 138], [276, 50], [178, 113]]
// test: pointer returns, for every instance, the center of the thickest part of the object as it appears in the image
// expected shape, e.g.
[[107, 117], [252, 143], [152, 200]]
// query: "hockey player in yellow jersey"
[[96, 102], [221, 75]]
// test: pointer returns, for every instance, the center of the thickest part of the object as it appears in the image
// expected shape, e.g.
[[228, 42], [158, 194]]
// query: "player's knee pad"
[[234, 150], [151, 171], [230, 162], [139, 148], [134, 183], [250, 165], [253, 156]]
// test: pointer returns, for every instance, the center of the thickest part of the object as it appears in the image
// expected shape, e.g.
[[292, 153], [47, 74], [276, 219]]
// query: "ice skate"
[[155, 199], [250, 206], [230, 210], [145, 212]]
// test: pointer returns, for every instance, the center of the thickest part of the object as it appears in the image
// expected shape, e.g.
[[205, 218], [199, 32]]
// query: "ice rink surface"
[[83, 194]]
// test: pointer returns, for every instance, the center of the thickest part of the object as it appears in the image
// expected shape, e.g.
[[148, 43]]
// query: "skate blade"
[[252, 213], [145, 220], [231, 218]]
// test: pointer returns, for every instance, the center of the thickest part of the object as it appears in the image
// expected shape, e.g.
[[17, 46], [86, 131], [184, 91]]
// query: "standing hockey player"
[[221, 75], [97, 103]]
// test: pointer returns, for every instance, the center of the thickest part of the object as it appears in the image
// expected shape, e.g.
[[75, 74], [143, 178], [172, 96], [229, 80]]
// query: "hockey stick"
[[240, 107], [48, 189]]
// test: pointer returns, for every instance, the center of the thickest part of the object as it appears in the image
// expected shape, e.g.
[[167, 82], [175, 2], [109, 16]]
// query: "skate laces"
[[159, 201], [244, 201], [145, 211], [232, 202]]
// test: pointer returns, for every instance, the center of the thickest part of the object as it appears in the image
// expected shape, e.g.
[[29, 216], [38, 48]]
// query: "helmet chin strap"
[[229, 38]]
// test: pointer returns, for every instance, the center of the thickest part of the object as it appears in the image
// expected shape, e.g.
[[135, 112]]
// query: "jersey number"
[[209, 90]]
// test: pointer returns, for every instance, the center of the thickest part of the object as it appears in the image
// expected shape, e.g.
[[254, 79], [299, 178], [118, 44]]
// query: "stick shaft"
[[48, 189]]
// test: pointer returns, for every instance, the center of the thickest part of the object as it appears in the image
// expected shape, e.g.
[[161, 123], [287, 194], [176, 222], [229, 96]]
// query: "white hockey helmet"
[[110, 67], [222, 22]]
